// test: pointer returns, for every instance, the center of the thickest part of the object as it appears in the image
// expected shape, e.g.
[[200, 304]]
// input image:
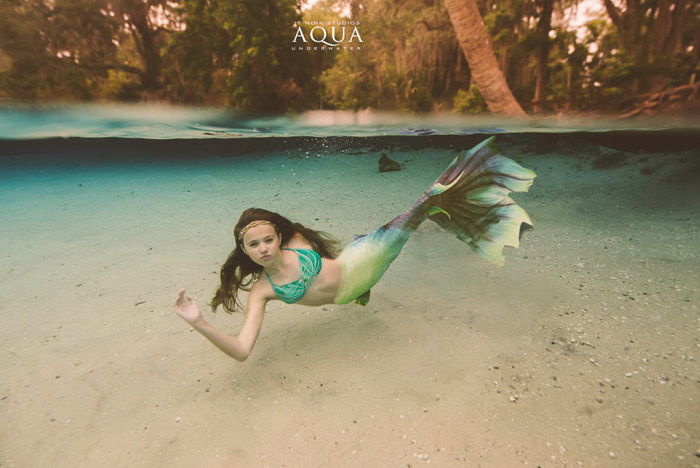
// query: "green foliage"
[[54, 52], [349, 84], [263, 71], [119, 86], [470, 102], [198, 57], [410, 60], [240, 53], [255, 64], [642, 53], [567, 68]]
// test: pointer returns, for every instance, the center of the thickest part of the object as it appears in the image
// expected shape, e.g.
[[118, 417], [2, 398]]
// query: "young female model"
[[276, 259]]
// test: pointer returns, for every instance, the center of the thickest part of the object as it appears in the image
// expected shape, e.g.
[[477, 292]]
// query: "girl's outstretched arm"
[[238, 347]]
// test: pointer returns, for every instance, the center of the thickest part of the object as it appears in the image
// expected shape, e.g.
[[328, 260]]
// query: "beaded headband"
[[253, 224]]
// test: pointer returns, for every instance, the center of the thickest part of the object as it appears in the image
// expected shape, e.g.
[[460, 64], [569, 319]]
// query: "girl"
[[276, 259]]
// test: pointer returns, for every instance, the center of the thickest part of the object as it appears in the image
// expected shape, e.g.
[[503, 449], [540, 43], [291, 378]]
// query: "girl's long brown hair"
[[240, 272]]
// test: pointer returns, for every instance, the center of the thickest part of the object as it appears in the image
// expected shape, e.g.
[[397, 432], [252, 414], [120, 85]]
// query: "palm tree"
[[476, 45]]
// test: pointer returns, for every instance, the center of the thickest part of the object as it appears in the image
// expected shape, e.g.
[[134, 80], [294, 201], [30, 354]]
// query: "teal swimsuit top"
[[310, 263]]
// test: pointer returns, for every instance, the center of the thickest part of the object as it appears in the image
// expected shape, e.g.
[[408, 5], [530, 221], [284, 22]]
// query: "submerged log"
[[680, 96]]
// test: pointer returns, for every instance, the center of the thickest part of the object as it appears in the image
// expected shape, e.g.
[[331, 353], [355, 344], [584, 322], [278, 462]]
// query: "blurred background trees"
[[630, 57]]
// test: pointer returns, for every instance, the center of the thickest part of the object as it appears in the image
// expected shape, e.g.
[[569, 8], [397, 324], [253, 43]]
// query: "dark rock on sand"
[[387, 165]]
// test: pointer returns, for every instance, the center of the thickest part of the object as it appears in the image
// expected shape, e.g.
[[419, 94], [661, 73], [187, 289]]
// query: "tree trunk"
[[476, 45], [680, 13], [137, 14], [145, 38], [543, 27]]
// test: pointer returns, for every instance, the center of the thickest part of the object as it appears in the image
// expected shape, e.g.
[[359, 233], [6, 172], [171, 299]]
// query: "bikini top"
[[310, 263]]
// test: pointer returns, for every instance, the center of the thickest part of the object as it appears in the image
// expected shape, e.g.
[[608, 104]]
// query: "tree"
[[411, 60], [81, 49], [140, 19], [55, 50], [476, 45], [239, 54], [261, 32], [655, 36], [198, 57], [543, 27]]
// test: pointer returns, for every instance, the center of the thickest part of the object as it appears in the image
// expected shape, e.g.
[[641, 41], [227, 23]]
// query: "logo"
[[327, 35]]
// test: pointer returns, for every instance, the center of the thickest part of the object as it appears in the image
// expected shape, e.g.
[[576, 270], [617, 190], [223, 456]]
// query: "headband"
[[253, 224]]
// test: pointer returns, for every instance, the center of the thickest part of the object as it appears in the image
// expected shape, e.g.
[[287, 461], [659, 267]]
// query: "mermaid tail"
[[470, 199], [364, 261]]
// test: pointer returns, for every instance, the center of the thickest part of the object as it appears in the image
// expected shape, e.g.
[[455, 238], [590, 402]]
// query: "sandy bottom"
[[582, 350]]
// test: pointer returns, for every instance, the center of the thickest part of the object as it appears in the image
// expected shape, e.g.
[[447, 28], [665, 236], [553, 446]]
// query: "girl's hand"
[[187, 308]]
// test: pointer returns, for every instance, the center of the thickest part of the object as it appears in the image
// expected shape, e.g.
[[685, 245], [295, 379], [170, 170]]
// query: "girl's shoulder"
[[262, 289]]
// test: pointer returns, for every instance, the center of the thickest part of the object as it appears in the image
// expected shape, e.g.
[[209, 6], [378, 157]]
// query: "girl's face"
[[262, 244]]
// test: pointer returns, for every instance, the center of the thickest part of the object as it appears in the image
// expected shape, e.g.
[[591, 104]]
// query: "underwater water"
[[581, 351]]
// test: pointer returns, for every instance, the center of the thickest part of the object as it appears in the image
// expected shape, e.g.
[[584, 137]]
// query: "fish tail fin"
[[471, 200]]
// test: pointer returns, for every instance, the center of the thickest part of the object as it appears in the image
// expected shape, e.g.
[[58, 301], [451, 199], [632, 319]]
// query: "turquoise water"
[[119, 133], [168, 122]]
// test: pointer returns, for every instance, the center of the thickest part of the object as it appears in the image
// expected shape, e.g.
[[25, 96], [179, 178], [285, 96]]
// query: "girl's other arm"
[[238, 347]]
